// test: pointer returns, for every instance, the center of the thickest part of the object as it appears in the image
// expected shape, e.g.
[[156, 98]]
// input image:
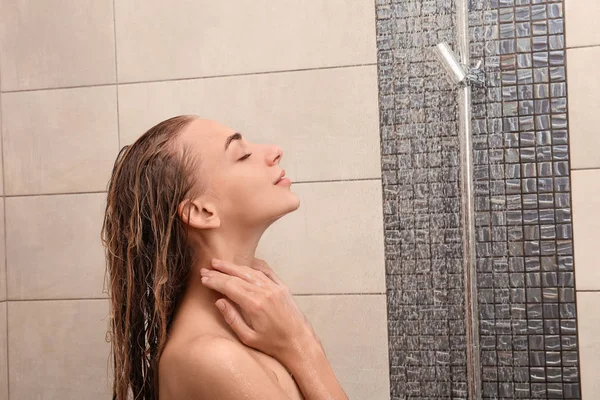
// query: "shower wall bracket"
[[476, 76], [456, 71]]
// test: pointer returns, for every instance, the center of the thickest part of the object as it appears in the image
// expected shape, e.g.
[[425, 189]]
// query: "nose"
[[274, 155]]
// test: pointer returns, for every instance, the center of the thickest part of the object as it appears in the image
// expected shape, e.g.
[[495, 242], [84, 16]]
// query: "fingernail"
[[203, 271], [220, 305], [216, 261], [204, 279]]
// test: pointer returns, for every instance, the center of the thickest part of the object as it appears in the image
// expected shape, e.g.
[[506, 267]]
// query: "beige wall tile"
[[3, 353], [58, 141], [581, 18], [2, 253], [333, 243], [326, 121], [184, 39], [53, 246], [584, 103], [586, 228], [57, 350], [1, 151], [588, 326], [353, 330], [56, 43]]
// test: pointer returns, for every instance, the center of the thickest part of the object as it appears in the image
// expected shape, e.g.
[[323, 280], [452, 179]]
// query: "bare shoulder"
[[216, 367]]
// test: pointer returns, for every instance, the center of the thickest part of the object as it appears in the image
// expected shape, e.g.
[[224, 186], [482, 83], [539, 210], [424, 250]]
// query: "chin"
[[295, 203], [292, 203]]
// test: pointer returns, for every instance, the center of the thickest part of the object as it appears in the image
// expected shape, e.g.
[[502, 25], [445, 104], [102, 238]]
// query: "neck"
[[236, 247], [197, 307]]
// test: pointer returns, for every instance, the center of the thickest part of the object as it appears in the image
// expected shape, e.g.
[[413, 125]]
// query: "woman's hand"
[[276, 325]]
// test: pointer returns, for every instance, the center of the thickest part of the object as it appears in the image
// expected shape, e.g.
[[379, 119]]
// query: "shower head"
[[456, 72]]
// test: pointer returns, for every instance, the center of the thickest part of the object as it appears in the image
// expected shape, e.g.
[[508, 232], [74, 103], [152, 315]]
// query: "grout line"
[[340, 294], [60, 88], [106, 298], [585, 169], [587, 290], [50, 194], [580, 47], [197, 77], [118, 121], [56, 299], [283, 71], [104, 191], [5, 249], [7, 354], [338, 180], [116, 76]]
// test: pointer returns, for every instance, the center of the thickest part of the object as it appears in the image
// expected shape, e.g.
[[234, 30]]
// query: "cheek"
[[246, 189]]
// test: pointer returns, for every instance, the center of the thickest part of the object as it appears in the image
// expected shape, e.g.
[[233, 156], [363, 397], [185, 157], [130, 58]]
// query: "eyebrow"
[[235, 136]]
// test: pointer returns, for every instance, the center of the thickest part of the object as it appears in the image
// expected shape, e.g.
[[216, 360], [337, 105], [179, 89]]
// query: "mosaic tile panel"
[[526, 291], [419, 125], [524, 245]]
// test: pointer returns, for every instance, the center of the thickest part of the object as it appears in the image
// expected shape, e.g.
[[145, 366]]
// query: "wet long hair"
[[147, 253]]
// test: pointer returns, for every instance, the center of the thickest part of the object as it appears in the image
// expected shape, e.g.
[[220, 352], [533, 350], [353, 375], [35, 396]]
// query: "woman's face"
[[239, 176]]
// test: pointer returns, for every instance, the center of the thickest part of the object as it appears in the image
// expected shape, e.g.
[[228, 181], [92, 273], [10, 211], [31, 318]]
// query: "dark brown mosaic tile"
[[527, 309]]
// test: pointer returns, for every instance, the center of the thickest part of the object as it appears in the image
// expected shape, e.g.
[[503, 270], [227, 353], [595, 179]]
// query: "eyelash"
[[245, 157]]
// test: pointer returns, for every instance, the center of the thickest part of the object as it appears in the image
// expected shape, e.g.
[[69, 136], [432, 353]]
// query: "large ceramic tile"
[[58, 141], [588, 321], [581, 19], [586, 228], [584, 103], [353, 330], [57, 350], [53, 246], [1, 152], [326, 121], [320, 248], [56, 43], [3, 353], [2, 253], [182, 39]]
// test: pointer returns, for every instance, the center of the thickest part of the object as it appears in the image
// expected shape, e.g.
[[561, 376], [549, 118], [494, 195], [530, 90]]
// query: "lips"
[[280, 177]]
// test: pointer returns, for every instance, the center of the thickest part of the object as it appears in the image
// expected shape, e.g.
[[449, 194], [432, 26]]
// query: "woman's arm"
[[279, 328], [312, 371]]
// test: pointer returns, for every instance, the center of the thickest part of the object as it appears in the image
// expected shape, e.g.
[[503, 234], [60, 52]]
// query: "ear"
[[199, 214]]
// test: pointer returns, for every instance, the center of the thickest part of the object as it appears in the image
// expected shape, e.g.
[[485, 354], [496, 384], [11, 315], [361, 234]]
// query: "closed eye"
[[245, 157]]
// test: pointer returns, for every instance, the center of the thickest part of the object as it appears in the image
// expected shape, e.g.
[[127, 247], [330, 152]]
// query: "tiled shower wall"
[[522, 200], [583, 86], [420, 155], [80, 78], [525, 257]]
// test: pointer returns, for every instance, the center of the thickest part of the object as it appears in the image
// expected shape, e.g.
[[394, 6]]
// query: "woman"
[[193, 314]]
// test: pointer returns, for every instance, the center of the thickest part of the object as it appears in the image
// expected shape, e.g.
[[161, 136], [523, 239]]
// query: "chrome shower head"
[[456, 72]]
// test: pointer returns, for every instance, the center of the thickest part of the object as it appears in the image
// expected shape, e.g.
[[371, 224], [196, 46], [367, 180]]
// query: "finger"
[[233, 287], [235, 320], [229, 279], [246, 273], [262, 266]]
